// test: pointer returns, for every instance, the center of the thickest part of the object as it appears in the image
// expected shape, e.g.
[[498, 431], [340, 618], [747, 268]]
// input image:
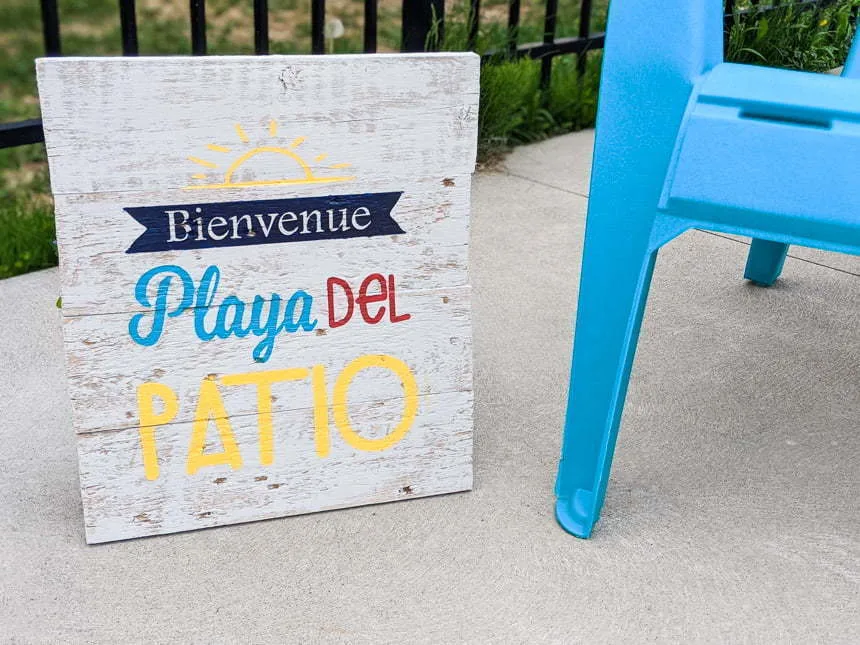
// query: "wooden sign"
[[265, 292]]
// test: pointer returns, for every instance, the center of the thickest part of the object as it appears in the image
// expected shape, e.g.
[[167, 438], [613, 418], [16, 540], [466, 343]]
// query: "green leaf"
[[763, 26]]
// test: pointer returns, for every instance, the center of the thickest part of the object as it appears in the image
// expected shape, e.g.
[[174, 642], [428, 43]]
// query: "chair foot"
[[577, 514], [765, 262]]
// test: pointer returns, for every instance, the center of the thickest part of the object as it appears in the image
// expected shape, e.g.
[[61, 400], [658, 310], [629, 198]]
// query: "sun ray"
[[304, 173], [203, 162]]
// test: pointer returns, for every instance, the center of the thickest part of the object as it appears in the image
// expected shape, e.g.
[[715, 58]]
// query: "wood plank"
[[387, 115], [98, 276], [434, 457], [106, 367]]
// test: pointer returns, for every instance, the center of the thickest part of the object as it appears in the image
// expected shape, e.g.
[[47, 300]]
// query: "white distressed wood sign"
[[265, 292]]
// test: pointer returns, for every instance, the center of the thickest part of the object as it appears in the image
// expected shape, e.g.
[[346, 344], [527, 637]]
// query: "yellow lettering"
[[263, 381], [321, 434], [341, 390], [211, 407], [146, 394]]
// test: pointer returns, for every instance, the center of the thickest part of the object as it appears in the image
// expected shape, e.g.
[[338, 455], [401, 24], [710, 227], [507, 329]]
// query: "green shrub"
[[813, 39]]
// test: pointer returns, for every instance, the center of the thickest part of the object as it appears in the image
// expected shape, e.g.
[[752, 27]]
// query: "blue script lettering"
[[266, 318]]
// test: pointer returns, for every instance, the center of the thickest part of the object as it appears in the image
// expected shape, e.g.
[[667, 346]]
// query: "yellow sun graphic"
[[305, 175]]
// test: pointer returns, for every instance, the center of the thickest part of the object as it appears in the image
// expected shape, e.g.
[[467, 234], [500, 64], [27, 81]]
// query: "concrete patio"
[[733, 514]]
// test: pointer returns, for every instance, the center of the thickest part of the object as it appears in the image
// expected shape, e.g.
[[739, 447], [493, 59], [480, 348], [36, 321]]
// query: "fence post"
[[729, 20], [198, 27], [261, 27], [370, 27], [423, 25], [318, 26], [51, 27], [548, 39], [128, 27], [513, 27], [584, 32], [474, 20]]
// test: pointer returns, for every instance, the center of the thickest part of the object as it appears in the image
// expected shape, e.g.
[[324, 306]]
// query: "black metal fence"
[[423, 23]]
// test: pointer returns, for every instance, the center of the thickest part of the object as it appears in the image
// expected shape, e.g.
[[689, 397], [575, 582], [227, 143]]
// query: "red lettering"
[[393, 309], [333, 320], [365, 298]]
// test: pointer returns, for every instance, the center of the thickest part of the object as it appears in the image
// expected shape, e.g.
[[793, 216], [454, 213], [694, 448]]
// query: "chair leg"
[[765, 261], [613, 291], [650, 68]]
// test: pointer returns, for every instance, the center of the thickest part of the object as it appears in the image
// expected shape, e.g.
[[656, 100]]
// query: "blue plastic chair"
[[685, 140]]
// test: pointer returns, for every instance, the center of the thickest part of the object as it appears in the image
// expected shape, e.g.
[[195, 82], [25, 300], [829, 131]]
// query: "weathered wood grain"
[[434, 457], [99, 277], [175, 429], [114, 129], [105, 366]]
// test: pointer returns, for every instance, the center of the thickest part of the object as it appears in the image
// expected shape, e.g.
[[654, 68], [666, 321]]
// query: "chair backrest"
[[653, 55], [754, 138], [852, 63]]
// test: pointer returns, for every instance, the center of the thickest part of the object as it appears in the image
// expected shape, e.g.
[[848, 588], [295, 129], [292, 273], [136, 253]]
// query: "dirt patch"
[[164, 9], [9, 45], [96, 30], [24, 175]]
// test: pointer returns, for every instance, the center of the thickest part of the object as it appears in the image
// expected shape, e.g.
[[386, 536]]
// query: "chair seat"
[[771, 150]]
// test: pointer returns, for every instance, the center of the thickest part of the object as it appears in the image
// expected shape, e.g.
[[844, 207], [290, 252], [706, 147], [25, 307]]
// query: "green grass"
[[514, 109], [814, 40], [28, 240]]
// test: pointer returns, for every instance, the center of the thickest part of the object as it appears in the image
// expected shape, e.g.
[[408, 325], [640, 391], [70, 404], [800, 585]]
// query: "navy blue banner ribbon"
[[267, 221]]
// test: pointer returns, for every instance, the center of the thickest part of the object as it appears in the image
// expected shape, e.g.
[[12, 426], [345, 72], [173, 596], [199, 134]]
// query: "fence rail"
[[422, 28]]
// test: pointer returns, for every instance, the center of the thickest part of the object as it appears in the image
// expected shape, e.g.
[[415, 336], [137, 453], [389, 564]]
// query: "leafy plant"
[[813, 39]]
